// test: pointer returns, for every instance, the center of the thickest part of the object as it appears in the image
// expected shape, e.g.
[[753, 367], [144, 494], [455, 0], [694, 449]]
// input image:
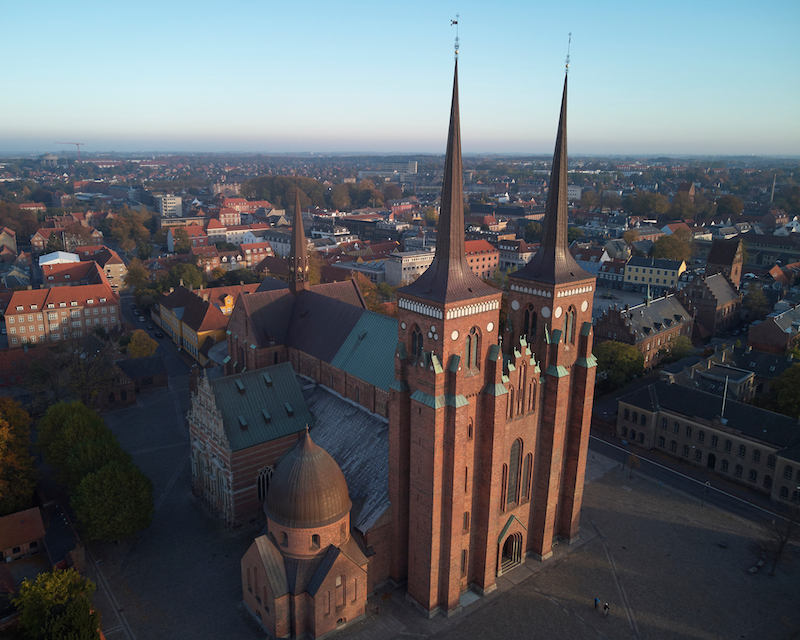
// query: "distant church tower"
[[486, 454]]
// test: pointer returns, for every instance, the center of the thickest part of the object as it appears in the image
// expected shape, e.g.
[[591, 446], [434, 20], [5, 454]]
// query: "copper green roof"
[[261, 405], [368, 351]]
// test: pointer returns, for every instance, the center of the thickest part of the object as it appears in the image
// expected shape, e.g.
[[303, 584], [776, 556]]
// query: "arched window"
[[523, 374], [470, 429], [570, 332], [530, 323], [503, 486], [510, 410], [285, 541], [264, 477], [315, 541], [473, 348], [532, 396], [512, 495], [416, 343], [526, 476]]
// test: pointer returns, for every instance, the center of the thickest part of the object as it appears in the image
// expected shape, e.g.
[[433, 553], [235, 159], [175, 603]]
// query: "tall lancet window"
[[512, 495], [570, 329], [530, 323], [473, 348], [416, 343]]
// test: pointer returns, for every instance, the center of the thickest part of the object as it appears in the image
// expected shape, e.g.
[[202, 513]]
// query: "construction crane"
[[77, 144]]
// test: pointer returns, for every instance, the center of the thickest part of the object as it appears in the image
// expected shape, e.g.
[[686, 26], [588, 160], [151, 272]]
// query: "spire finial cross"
[[569, 45], [455, 22]]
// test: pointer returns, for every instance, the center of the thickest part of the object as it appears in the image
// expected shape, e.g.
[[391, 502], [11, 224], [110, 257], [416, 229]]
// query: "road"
[[691, 481]]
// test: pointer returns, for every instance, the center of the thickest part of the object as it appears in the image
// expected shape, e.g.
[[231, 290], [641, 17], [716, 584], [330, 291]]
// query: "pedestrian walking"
[[596, 603], [605, 609]]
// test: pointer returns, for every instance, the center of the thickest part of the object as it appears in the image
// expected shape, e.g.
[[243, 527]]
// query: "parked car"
[[149, 326], [158, 334], [136, 312], [133, 306], [141, 318]]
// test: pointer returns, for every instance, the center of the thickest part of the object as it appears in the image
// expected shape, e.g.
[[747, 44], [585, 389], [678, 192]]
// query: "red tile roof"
[[20, 528]]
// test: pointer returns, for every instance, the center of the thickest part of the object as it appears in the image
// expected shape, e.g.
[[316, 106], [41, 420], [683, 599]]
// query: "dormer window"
[[51, 306], [66, 276], [89, 301], [33, 307], [73, 304], [102, 299], [62, 304]]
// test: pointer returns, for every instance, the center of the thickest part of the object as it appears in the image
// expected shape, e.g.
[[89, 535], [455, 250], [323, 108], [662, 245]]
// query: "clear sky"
[[680, 77]]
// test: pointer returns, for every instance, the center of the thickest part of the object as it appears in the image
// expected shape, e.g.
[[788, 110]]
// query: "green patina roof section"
[[508, 526], [399, 385], [454, 362], [589, 362], [557, 371], [258, 401], [555, 337], [586, 329], [495, 389], [494, 352], [401, 351], [368, 353], [446, 399]]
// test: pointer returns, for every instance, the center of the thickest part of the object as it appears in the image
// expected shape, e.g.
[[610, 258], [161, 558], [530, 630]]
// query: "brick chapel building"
[[486, 435]]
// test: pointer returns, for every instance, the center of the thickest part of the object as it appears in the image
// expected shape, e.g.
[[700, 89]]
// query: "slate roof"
[[269, 315], [655, 263], [764, 365], [721, 289], [246, 396], [722, 251], [759, 424], [359, 443], [320, 325], [661, 314]]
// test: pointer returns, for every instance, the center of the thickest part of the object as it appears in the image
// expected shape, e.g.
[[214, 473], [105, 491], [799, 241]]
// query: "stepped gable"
[[553, 262], [449, 278]]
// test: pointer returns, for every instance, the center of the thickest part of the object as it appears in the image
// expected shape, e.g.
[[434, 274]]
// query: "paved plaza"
[[669, 567]]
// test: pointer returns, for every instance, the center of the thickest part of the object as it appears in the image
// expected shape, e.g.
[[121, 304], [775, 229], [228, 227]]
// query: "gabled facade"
[[714, 302]]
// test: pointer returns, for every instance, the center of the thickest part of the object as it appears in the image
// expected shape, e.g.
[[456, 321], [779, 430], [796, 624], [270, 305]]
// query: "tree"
[[682, 206], [144, 250], [783, 534], [573, 233], [392, 192], [181, 242], [431, 217], [672, 248], [65, 425], [141, 345], [54, 243], [89, 456], [236, 276], [369, 290], [57, 605], [186, 274], [630, 236], [681, 347], [17, 471], [729, 206], [340, 197], [617, 363], [533, 232], [588, 200], [756, 303], [136, 276], [114, 502], [784, 393]]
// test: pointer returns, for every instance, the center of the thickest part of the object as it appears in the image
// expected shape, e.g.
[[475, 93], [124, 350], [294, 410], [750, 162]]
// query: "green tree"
[[533, 232], [784, 393], [65, 425], [617, 364], [114, 502], [89, 456], [17, 471], [144, 250], [756, 303], [573, 233], [729, 206], [589, 200], [54, 595], [136, 276], [181, 242], [141, 345], [340, 197], [672, 247], [681, 347], [54, 243], [188, 274], [682, 206]]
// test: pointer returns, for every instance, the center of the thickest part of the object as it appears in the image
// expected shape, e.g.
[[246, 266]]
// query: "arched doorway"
[[512, 553], [712, 460]]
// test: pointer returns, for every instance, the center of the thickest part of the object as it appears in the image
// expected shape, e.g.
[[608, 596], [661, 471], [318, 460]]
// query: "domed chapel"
[[464, 449]]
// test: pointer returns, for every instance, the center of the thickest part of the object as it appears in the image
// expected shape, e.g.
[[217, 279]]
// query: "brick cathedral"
[[487, 431]]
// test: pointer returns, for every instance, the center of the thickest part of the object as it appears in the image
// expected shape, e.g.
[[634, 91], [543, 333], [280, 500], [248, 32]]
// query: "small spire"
[[298, 256], [455, 22], [569, 45]]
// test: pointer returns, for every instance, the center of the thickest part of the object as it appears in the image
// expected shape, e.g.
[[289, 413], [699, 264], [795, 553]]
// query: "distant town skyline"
[[682, 78]]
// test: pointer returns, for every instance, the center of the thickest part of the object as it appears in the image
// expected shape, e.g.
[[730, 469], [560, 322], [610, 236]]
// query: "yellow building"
[[659, 274]]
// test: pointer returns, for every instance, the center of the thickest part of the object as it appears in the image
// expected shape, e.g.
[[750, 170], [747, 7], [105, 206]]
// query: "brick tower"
[[550, 309], [486, 454]]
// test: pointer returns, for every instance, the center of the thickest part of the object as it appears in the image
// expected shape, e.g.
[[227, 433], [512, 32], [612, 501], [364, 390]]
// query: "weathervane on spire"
[[455, 22], [569, 44]]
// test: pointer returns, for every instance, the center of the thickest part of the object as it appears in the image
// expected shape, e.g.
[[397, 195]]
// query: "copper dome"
[[308, 488]]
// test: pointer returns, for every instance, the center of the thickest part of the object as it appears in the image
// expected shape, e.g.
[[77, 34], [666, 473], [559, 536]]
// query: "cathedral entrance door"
[[512, 553]]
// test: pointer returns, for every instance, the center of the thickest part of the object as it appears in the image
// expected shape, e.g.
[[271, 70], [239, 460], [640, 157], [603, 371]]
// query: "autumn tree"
[[57, 605], [137, 275], [185, 274], [369, 290], [756, 303], [181, 243], [784, 393], [682, 206], [630, 236], [533, 232], [672, 248], [617, 364], [729, 206], [392, 192], [141, 345], [114, 502], [340, 197], [17, 472]]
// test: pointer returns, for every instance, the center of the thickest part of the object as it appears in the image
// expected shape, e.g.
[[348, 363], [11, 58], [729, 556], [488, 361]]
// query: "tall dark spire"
[[553, 263], [298, 255], [449, 278]]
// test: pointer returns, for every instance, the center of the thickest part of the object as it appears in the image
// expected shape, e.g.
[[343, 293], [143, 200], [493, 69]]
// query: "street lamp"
[[706, 487]]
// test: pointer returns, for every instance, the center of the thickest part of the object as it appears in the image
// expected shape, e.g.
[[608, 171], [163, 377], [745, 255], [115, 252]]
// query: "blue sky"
[[706, 77]]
